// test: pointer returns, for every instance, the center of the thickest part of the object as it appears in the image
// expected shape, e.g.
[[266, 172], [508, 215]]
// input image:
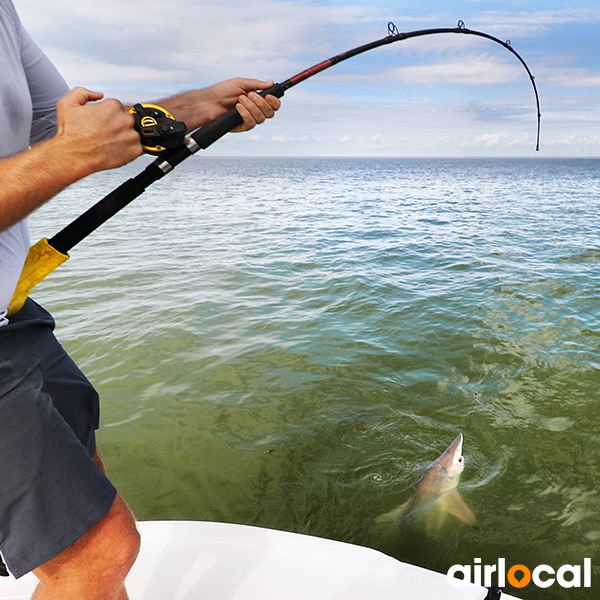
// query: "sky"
[[436, 96]]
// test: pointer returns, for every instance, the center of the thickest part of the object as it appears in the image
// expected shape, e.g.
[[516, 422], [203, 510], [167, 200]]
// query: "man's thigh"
[[53, 491]]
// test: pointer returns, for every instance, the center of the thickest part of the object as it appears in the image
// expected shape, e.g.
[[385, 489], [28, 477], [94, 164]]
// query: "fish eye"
[[461, 459]]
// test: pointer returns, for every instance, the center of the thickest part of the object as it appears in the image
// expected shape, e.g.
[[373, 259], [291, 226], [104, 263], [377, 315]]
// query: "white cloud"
[[203, 40], [476, 69], [499, 139], [529, 23], [591, 140], [571, 77]]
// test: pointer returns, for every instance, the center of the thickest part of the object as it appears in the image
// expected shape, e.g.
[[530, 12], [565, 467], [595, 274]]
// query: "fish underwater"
[[436, 494]]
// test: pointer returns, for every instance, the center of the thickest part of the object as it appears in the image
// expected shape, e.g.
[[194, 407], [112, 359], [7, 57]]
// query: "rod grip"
[[217, 128]]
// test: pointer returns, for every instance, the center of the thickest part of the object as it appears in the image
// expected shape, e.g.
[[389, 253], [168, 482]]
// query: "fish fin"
[[433, 519], [456, 506], [394, 514]]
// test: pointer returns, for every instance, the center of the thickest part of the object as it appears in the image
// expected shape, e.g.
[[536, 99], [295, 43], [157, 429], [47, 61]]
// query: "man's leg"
[[59, 514], [95, 566]]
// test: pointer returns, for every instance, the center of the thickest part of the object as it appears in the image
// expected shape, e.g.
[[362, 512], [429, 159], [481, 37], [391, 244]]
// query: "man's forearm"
[[32, 177]]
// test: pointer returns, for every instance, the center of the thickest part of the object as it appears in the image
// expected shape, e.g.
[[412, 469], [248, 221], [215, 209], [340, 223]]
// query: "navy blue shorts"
[[51, 490]]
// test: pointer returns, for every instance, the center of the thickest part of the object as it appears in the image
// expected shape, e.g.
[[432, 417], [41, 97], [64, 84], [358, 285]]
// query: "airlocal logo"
[[519, 576]]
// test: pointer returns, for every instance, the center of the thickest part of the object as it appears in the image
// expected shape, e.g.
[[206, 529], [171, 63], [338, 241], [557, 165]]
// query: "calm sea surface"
[[288, 342]]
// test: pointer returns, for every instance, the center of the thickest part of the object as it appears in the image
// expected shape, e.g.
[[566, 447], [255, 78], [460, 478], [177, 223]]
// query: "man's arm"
[[198, 107], [99, 136], [89, 138]]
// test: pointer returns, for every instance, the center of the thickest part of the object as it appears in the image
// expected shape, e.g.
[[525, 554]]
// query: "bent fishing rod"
[[165, 137]]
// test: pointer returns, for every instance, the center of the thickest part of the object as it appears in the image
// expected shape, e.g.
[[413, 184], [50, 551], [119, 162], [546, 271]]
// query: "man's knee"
[[121, 537], [100, 559]]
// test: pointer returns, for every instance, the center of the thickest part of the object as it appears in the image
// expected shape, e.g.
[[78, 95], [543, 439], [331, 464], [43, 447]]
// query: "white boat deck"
[[191, 560]]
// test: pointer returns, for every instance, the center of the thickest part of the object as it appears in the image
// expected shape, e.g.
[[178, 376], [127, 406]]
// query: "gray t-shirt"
[[30, 87]]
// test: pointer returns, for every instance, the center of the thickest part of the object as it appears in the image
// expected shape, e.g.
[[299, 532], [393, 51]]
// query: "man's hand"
[[95, 137], [201, 106], [241, 93]]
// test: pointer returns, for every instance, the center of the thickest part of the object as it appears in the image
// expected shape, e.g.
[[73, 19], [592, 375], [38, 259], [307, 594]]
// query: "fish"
[[436, 495]]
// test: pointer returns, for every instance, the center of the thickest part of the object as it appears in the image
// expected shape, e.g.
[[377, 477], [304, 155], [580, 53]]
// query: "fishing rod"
[[161, 135]]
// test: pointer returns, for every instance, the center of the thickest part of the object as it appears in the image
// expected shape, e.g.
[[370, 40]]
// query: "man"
[[60, 516]]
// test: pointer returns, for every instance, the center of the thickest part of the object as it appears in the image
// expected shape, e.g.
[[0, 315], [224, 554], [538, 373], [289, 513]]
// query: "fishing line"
[[151, 120]]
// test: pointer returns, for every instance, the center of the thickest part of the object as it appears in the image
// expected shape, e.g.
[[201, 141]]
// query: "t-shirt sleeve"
[[46, 87]]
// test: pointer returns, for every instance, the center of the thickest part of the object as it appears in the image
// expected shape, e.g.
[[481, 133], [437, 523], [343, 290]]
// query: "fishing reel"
[[158, 128]]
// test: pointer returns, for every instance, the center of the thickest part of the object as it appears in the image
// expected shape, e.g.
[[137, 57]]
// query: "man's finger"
[[253, 109], [251, 85], [81, 96]]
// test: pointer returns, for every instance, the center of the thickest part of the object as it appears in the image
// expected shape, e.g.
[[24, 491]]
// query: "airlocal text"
[[519, 576]]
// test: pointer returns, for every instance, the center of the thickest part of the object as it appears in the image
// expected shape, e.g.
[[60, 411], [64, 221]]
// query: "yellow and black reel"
[[158, 128]]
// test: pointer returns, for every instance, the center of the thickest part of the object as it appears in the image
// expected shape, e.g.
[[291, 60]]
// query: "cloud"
[[526, 24], [476, 69], [188, 39], [502, 138], [590, 140], [190, 43], [571, 77]]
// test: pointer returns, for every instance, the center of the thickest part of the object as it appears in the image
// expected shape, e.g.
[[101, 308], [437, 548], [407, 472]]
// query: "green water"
[[288, 342]]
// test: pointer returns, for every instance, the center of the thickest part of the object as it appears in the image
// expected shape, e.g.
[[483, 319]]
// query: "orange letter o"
[[516, 582]]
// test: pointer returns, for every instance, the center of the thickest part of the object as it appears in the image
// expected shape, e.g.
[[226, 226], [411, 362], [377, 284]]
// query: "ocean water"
[[289, 342]]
